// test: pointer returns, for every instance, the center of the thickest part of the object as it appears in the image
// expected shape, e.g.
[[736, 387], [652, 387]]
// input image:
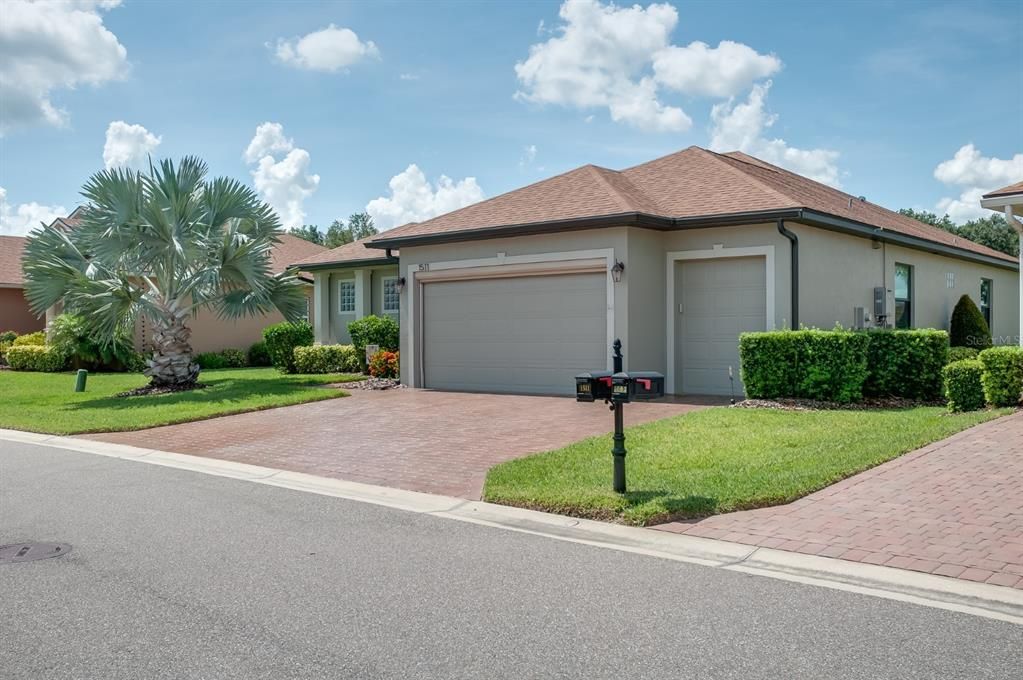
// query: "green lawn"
[[718, 460], [47, 402]]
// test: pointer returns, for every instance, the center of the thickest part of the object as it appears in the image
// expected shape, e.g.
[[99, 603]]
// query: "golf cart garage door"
[[720, 298], [526, 334]]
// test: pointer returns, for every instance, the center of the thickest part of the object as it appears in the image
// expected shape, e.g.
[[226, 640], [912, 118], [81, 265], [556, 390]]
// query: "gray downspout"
[[794, 240]]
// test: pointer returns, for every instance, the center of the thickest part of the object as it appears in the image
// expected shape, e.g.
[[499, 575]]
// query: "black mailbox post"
[[617, 389]]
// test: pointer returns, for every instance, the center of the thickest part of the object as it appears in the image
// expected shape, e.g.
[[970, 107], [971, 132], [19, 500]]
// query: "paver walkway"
[[953, 508], [437, 442]]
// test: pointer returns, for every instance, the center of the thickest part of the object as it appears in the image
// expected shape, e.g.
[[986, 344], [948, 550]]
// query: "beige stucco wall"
[[336, 329], [15, 314], [838, 272], [212, 334]]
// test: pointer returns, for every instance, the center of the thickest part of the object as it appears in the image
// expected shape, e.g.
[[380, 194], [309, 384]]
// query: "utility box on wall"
[[880, 302]]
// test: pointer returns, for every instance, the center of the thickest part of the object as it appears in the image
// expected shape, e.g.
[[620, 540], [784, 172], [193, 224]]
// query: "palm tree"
[[162, 245]]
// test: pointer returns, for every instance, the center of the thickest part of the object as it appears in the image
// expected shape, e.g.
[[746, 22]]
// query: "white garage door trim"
[[418, 275], [767, 252]]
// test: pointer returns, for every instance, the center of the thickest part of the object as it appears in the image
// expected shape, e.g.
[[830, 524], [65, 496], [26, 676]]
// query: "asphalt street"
[[177, 574]]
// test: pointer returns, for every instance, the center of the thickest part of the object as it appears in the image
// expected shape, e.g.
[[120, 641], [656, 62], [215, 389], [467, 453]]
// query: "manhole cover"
[[28, 552]]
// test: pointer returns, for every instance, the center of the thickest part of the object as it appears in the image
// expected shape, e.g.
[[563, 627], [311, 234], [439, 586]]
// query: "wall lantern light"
[[401, 284], [617, 271]]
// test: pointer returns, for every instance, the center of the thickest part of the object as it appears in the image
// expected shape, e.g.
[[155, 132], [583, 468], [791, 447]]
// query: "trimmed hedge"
[[374, 330], [327, 359], [1003, 375], [258, 356], [963, 388], [968, 327], [8, 337], [906, 363], [225, 358], [33, 339], [36, 358], [806, 364], [961, 353], [281, 340]]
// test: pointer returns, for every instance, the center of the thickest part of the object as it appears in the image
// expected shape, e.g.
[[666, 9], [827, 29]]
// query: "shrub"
[[384, 364], [8, 337], [37, 338], [1003, 375], [225, 358], [963, 387], [374, 330], [36, 358], [282, 339], [906, 363], [968, 327], [327, 359], [73, 336], [961, 353], [258, 356], [808, 364]]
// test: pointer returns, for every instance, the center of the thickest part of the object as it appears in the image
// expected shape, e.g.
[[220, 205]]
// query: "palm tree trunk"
[[172, 364]]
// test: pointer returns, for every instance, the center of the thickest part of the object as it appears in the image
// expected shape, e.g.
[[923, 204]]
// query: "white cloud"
[[268, 140], [328, 49], [722, 71], [25, 217], [742, 126], [128, 145], [281, 175], [620, 58], [46, 46], [414, 199], [528, 156], [975, 175]]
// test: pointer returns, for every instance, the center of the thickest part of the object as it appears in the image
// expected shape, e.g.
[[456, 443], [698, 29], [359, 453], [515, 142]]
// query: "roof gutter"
[[346, 263], [647, 221]]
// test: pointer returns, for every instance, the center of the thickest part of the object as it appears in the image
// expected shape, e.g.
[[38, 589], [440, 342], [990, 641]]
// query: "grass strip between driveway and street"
[[719, 460], [47, 402]]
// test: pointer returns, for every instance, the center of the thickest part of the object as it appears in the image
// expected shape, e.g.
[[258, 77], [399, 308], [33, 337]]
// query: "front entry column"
[[363, 293], [321, 308]]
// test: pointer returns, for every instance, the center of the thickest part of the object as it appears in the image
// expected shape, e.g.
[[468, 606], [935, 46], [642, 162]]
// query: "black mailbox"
[[593, 386], [645, 385], [621, 391]]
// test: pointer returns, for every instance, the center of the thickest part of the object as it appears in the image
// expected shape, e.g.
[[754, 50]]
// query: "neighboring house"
[[1009, 201], [15, 314], [676, 257], [209, 332], [352, 281]]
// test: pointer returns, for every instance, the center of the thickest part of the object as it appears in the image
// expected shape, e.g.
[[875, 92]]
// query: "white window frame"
[[383, 295], [341, 298]]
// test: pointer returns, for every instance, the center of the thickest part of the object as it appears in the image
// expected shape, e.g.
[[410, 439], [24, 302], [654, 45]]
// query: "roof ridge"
[[720, 158], [621, 200]]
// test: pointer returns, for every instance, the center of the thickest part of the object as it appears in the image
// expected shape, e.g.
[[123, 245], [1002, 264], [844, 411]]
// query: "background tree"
[[360, 225], [309, 232], [162, 245], [991, 231]]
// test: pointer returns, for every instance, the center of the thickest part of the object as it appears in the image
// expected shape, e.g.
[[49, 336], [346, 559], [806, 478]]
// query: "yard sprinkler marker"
[[80, 379]]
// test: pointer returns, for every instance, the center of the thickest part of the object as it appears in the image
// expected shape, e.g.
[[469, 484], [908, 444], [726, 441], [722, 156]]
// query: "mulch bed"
[[149, 390], [868, 404]]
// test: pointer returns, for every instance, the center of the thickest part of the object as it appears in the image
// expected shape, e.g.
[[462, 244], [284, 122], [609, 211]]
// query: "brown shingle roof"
[[290, 250], [690, 183], [349, 253], [1016, 188], [11, 248]]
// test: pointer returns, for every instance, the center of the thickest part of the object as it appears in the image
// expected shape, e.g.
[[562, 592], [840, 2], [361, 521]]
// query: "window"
[[903, 296], [346, 297], [985, 299], [392, 295]]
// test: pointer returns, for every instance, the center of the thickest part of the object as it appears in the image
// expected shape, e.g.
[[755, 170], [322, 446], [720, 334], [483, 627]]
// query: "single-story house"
[[209, 333], [1009, 201], [676, 257], [15, 314]]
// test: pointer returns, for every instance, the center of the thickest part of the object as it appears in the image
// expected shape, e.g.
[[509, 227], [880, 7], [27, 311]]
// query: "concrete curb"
[[994, 602]]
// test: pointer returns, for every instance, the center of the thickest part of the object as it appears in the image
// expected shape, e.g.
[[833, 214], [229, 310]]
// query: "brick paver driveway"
[[953, 508], [437, 442]]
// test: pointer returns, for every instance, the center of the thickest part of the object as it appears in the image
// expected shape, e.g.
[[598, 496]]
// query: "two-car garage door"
[[528, 334]]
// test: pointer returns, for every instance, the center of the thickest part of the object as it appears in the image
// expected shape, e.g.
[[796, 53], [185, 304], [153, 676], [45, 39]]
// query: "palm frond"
[[51, 263]]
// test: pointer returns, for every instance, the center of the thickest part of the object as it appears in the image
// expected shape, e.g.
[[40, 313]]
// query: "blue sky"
[[873, 96]]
